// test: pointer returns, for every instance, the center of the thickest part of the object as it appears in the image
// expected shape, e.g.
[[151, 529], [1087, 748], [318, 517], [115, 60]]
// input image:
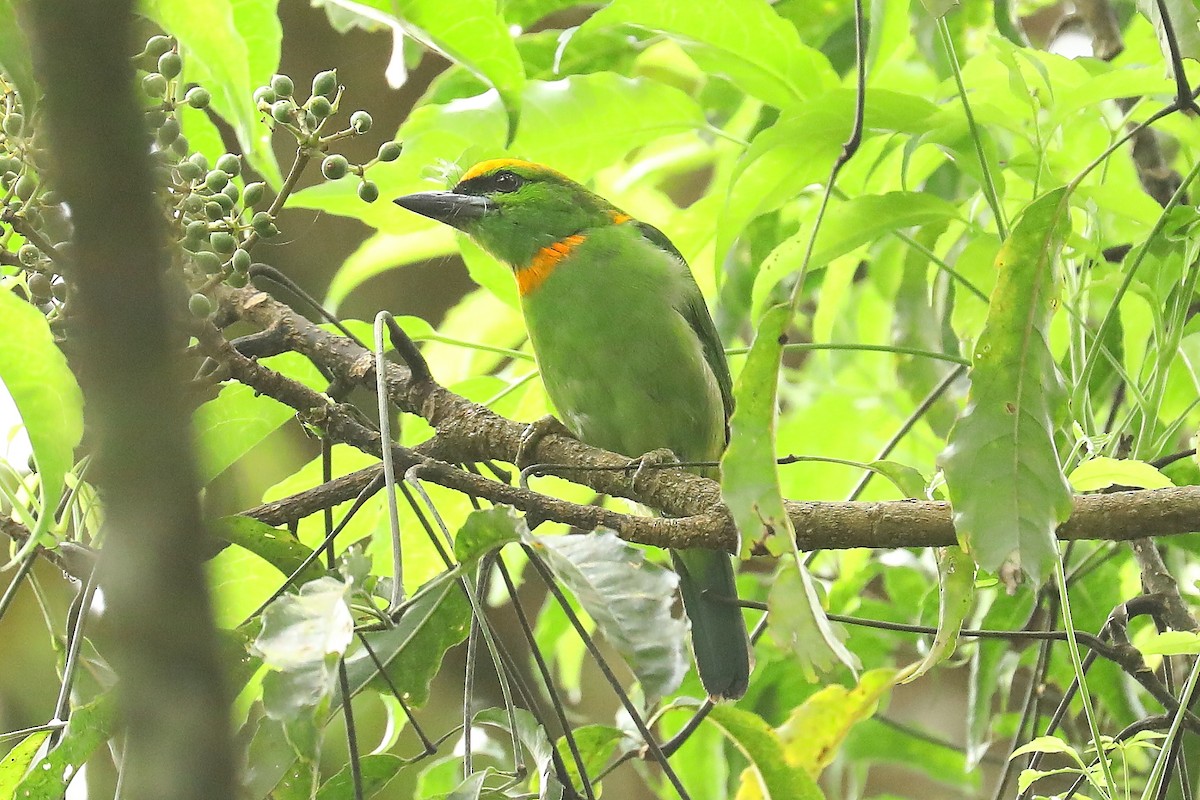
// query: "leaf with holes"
[[1003, 474]]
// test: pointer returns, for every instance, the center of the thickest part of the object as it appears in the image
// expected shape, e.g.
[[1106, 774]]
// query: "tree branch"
[[469, 432]]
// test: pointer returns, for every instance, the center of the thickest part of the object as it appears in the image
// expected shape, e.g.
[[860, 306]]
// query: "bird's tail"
[[719, 638]]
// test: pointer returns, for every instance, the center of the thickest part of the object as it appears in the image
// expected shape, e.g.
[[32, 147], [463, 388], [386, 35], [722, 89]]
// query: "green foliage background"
[[949, 241]]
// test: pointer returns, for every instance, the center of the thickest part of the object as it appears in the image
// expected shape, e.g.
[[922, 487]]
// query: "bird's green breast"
[[623, 367]]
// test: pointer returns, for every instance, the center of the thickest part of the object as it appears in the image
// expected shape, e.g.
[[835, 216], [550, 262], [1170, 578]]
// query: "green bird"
[[626, 347]]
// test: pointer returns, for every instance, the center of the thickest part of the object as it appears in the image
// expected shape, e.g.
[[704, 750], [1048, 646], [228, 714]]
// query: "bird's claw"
[[532, 436], [654, 459]]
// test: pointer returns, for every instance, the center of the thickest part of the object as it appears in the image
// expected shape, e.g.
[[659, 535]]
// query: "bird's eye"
[[507, 181]]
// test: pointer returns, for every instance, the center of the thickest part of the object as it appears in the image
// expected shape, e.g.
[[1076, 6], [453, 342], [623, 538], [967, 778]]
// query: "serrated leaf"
[[798, 623], [956, 595], [774, 777], [88, 729], [813, 733], [487, 530], [36, 375], [1003, 475], [1102, 472], [412, 651], [749, 474], [745, 41], [629, 598]]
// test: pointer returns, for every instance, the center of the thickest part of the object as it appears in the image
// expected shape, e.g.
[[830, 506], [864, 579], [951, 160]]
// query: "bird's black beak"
[[453, 209]]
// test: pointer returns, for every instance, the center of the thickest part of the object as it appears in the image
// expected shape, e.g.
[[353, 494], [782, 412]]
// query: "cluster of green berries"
[[306, 120]]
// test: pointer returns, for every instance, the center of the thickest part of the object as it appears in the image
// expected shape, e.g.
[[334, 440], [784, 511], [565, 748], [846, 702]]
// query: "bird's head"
[[514, 209]]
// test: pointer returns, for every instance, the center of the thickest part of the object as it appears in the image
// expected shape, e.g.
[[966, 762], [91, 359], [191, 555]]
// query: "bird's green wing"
[[695, 311]]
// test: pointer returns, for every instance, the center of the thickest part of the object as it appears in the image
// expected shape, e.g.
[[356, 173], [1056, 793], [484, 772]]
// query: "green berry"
[[155, 84], [181, 146], [39, 286], [334, 166], [199, 160], [229, 164], [264, 94], [231, 191], [254, 193], [157, 45], [240, 261], [325, 83], [214, 210], [360, 121], [28, 254], [170, 64], [198, 97], [193, 204], [59, 290], [282, 110], [168, 132], [238, 279], [155, 117], [216, 179], [263, 224], [209, 262], [14, 124], [188, 171], [223, 242], [283, 85], [200, 305], [222, 199], [319, 106], [25, 186], [311, 122], [368, 192], [389, 151], [195, 231]]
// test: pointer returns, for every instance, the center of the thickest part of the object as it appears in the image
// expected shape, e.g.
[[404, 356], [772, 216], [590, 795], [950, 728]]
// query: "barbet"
[[626, 349]]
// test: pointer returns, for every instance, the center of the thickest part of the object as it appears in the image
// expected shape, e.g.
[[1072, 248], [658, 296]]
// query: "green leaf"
[[15, 763], [775, 777], [302, 629], [798, 623], [873, 742], [749, 475], [378, 769], [1003, 475], [486, 531], [474, 35], [230, 48], [745, 41], [1171, 643], [15, 59], [956, 595], [410, 241], [846, 226], [35, 373], [278, 548], [596, 744], [412, 651], [799, 149], [630, 600], [88, 729], [1184, 17], [1102, 472], [230, 425]]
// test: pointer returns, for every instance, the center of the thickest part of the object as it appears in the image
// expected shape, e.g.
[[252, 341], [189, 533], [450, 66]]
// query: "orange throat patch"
[[534, 274]]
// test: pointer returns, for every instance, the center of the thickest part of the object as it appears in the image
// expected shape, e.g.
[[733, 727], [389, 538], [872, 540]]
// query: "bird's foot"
[[653, 460], [532, 436]]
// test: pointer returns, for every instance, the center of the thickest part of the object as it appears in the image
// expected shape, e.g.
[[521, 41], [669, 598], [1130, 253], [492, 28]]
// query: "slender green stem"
[[989, 185], [873, 348], [486, 348], [1081, 678]]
